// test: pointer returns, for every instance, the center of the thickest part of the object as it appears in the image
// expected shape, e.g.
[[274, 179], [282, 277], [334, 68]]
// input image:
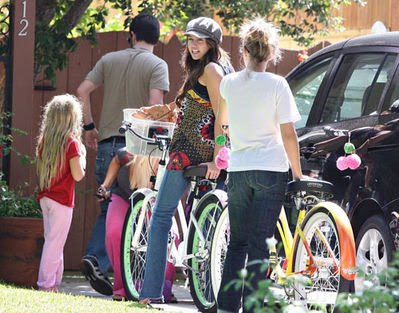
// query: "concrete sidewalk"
[[74, 283]]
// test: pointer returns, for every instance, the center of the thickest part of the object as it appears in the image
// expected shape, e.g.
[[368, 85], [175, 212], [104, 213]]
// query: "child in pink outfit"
[[125, 169], [117, 210], [61, 159]]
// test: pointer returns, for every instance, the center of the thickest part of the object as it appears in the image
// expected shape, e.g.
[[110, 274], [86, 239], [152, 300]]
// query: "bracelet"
[[89, 126]]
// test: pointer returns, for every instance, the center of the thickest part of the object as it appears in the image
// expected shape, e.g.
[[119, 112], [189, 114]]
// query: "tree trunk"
[[75, 13]]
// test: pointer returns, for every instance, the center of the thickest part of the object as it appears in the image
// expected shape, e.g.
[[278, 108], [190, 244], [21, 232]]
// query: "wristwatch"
[[89, 126]]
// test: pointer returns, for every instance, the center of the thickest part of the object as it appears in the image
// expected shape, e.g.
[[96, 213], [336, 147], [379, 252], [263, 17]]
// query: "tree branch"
[[74, 14], [45, 11]]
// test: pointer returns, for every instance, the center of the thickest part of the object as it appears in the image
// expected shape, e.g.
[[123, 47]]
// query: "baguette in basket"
[[141, 168], [158, 112]]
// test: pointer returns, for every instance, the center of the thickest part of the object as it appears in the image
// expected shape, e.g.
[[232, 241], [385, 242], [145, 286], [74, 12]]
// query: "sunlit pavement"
[[74, 283]]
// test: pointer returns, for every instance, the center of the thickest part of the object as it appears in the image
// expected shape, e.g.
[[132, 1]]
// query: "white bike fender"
[[218, 193], [144, 191]]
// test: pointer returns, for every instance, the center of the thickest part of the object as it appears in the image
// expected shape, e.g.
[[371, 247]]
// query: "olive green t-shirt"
[[128, 76]]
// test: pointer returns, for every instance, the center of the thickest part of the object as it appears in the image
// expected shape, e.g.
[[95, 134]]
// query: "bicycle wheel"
[[134, 246], [220, 243], [320, 231], [206, 215]]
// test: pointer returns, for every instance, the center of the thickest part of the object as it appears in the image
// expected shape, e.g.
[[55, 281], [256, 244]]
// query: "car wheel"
[[374, 248]]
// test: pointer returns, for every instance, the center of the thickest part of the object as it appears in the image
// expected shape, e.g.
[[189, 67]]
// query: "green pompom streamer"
[[221, 140], [349, 148]]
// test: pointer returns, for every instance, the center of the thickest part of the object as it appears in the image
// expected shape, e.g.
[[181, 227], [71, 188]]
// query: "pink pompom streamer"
[[353, 161], [342, 164], [224, 153], [220, 163]]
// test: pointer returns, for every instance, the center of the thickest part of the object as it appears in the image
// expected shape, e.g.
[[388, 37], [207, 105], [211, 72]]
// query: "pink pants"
[[57, 220], [116, 213]]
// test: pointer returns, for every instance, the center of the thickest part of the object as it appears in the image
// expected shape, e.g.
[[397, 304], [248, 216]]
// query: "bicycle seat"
[[310, 186], [200, 171]]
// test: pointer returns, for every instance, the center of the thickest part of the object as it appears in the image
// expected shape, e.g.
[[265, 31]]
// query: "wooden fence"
[[357, 17], [80, 63]]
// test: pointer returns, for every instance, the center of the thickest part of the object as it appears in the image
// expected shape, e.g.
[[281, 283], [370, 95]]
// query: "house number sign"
[[23, 22]]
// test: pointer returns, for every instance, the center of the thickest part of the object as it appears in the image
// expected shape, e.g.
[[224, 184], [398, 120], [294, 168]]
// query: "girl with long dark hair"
[[193, 143]]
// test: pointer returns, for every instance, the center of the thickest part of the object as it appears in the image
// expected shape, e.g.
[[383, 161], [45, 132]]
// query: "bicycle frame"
[[288, 244], [178, 255], [181, 253]]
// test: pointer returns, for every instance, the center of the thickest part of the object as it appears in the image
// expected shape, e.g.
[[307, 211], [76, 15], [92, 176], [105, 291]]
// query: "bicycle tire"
[[327, 281], [220, 244], [199, 273], [133, 258]]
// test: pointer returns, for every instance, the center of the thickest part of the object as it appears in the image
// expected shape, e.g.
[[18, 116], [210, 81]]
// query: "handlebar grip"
[[334, 132], [328, 130], [123, 128]]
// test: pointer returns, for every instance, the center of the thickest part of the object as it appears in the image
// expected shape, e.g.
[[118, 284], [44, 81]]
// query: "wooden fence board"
[[171, 55], [235, 55], [78, 66], [122, 40]]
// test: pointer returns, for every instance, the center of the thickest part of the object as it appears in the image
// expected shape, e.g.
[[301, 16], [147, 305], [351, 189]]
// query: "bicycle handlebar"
[[123, 128], [335, 132], [128, 127], [161, 140]]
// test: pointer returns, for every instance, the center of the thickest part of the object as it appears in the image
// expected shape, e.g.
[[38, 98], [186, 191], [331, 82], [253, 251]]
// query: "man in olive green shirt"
[[132, 78]]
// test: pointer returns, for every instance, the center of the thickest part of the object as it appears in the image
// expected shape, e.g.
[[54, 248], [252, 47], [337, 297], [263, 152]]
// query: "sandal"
[[148, 303], [145, 301], [171, 299], [118, 298]]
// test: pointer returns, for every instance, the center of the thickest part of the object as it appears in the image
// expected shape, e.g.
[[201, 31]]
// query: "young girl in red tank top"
[[61, 160]]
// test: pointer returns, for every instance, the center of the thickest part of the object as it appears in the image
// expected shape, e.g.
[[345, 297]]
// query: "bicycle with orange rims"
[[322, 248]]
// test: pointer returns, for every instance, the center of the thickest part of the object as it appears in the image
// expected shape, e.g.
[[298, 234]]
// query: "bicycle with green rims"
[[191, 234]]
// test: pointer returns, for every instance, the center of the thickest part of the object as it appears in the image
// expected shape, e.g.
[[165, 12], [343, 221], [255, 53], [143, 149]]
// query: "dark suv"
[[353, 85]]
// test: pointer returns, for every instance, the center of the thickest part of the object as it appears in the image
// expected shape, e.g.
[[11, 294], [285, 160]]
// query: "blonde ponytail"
[[260, 39]]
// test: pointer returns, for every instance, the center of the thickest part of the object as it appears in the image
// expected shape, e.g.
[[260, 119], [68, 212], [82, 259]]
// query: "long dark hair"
[[193, 69]]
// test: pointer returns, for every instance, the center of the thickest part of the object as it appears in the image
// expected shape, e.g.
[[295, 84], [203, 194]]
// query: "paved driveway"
[[74, 283]]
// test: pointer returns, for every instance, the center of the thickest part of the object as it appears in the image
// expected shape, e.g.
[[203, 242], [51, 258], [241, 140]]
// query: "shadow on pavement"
[[74, 283]]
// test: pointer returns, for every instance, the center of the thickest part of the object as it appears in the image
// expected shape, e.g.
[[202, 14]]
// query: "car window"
[[305, 87], [353, 93], [373, 94], [391, 102]]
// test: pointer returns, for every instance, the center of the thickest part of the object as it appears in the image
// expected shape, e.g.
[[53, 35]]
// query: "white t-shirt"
[[257, 103]]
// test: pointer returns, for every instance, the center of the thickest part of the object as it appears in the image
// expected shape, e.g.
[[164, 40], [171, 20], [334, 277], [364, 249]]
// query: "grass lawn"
[[20, 300]]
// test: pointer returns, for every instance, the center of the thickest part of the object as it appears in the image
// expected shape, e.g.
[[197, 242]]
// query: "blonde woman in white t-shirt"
[[260, 110]]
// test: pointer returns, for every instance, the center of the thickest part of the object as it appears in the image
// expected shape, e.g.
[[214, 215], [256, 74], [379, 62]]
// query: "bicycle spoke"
[[323, 242], [200, 241]]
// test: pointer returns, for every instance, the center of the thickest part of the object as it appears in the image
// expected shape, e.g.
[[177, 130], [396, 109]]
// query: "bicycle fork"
[[203, 252]]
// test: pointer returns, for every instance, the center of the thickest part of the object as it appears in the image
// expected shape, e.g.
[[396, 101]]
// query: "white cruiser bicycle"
[[191, 235]]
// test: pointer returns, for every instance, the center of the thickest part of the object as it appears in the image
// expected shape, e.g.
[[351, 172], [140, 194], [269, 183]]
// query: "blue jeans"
[[96, 246], [171, 190], [255, 199]]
